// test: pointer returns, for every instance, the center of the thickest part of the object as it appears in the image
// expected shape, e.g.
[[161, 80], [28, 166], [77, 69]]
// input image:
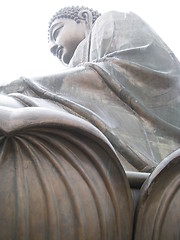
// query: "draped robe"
[[125, 81]]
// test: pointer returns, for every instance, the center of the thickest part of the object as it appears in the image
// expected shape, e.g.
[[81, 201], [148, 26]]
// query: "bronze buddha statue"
[[112, 116]]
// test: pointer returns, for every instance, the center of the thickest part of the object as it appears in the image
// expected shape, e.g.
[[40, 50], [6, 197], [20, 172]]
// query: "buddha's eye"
[[56, 32]]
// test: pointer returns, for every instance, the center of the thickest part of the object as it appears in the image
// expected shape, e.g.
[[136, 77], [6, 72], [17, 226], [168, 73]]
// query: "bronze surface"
[[70, 142], [157, 214], [60, 179]]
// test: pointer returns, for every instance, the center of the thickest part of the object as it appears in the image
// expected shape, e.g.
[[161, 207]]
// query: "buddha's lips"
[[59, 52]]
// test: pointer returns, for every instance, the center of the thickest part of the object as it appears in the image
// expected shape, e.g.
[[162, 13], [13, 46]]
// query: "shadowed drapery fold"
[[127, 85], [60, 179]]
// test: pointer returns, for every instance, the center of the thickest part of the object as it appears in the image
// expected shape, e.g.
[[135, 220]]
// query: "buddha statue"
[[118, 99], [64, 42], [120, 76]]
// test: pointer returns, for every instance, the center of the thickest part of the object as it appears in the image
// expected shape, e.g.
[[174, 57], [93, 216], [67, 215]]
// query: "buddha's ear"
[[86, 15]]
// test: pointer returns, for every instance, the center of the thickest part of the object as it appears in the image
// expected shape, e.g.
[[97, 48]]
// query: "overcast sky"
[[24, 47]]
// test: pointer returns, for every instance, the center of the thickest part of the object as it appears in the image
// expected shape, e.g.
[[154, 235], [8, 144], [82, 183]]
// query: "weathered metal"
[[66, 140], [136, 179], [59, 179], [158, 211]]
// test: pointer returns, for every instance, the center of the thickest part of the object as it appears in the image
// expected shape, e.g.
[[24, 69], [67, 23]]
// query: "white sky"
[[23, 23]]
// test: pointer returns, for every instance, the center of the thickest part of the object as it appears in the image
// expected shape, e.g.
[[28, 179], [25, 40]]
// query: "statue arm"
[[52, 82], [81, 79], [26, 91]]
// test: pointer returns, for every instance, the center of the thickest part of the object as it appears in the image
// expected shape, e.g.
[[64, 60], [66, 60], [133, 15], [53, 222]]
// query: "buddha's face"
[[65, 36]]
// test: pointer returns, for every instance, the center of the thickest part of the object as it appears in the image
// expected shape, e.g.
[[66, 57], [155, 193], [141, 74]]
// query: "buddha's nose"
[[53, 49]]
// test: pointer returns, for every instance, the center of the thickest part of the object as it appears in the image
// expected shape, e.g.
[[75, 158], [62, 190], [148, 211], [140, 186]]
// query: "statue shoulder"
[[107, 21], [116, 15]]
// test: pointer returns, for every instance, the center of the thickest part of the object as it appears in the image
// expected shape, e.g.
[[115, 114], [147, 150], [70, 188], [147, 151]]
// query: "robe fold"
[[125, 81]]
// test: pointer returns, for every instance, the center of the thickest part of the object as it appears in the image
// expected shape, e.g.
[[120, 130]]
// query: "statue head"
[[67, 28]]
